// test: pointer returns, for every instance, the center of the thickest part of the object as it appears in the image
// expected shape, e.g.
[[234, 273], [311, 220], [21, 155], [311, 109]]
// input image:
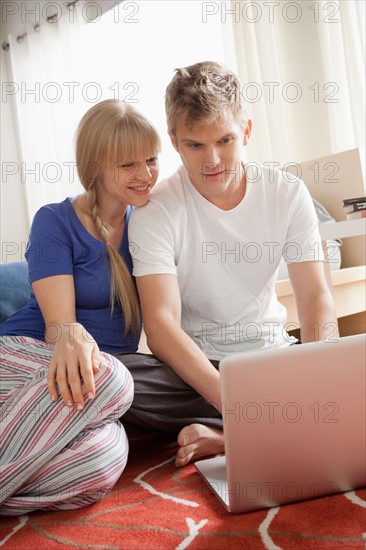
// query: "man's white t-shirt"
[[226, 261]]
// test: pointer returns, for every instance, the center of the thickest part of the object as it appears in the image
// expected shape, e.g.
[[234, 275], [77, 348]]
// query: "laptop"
[[294, 425]]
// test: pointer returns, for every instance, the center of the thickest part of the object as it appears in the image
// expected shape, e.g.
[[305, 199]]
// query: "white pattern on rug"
[[193, 532], [351, 495], [22, 521], [263, 529], [154, 491]]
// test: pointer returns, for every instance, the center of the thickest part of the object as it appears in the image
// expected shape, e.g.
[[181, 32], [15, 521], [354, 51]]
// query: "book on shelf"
[[356, 200], [354, 207], [357, 214]]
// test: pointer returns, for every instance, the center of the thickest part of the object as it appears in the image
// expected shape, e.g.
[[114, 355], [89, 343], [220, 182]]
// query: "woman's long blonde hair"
[[113, 131]]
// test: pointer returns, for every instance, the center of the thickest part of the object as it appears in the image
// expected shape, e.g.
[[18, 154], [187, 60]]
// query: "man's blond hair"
[[202, 92]]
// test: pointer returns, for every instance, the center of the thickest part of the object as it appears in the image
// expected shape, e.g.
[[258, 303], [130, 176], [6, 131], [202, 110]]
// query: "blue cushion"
[[15, 289]]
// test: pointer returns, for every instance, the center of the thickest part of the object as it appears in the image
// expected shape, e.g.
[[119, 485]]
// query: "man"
[[206, 250]]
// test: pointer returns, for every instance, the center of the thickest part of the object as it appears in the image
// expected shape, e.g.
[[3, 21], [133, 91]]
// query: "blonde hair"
[[202, 91], [113, 131]]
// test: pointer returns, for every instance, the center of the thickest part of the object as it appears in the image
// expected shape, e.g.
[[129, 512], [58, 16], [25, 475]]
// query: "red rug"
[[156, 506]]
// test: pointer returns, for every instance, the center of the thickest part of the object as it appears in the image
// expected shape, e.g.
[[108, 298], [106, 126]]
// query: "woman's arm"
[[75, 354]]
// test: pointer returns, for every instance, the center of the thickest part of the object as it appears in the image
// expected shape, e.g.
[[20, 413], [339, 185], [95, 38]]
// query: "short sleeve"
[[303, 242], [151, 242], [49, 248]]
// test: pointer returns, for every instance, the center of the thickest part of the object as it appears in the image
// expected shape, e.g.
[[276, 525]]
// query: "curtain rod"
[[37, 27]]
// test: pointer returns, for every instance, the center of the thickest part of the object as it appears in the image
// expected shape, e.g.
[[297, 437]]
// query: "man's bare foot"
[[197, 441]]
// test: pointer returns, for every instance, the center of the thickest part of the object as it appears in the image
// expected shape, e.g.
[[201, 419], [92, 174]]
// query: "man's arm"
[[161, 311], [314, 301]]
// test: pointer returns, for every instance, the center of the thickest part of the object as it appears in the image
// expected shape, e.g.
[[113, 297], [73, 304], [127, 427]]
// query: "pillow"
[[15, 289]]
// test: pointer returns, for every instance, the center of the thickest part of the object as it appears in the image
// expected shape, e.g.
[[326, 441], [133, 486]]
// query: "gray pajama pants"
[[163, 401]]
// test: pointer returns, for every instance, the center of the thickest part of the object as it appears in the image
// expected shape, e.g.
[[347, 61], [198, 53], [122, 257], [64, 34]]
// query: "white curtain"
[[302, 67], [39, 69]]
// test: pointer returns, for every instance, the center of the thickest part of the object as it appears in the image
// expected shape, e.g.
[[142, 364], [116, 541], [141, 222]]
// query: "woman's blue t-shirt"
[[59, 244]]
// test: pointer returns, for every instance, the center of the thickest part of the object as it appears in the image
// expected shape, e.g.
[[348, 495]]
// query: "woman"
[[70, 449]]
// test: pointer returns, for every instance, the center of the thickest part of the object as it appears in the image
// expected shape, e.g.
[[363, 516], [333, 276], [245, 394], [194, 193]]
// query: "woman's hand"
[[75, 360], [76, 356]]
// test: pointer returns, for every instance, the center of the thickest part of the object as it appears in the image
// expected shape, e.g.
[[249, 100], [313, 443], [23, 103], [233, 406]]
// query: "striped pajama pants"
[[51, 456]]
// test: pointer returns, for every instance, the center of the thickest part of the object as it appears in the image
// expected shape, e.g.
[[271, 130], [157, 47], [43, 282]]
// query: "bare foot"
[[197, 441]]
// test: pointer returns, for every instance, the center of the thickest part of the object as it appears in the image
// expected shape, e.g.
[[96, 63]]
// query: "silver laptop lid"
[[294, 422]]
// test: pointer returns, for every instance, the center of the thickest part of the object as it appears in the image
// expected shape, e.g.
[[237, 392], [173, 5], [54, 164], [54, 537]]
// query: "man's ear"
[[247, 132], [173, 140]]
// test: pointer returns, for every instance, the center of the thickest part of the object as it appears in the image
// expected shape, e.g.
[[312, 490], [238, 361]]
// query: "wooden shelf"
[[348, 289], [343, 229]]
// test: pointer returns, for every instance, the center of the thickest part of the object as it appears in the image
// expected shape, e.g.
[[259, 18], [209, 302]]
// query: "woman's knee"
[[113, 448], [114, 383]]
